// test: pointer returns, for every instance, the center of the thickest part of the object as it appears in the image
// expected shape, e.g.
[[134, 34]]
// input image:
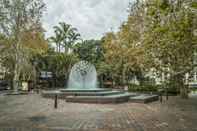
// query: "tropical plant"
[[57, 39], [58, 63], [89, 50], [65, 36]]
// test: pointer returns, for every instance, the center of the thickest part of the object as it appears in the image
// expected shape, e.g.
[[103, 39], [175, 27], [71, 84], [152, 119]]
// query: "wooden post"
[[161, 100], [55, 102], [166, 93]]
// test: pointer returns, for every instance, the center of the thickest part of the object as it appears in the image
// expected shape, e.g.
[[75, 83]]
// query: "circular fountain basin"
[[82, 87], [89, 96], [84, 90]]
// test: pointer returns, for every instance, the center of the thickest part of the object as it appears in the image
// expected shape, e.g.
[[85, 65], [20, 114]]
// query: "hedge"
[[151, 88], [143, 88]]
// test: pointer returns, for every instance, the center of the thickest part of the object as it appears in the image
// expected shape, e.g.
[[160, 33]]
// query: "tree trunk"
[[101, 80], [16, 78], [59, 48], [182, 87], [124, 76], [184, 92], [66, 79], [113, 82]]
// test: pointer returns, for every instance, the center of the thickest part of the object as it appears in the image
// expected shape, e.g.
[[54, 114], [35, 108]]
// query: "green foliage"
[[159, 36], [172, 44], [31, 48], [89, 50], [58, 63], [143, 88], [65, 36], [123, 51], [194, 4], [147, 88], [20, 15], [16, 18]]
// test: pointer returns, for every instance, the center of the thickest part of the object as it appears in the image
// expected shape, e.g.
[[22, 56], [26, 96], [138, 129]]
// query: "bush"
[[172, 90], [143, 88]]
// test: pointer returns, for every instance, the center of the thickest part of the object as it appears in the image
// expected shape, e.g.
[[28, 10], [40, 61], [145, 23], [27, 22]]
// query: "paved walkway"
[[34, 113]]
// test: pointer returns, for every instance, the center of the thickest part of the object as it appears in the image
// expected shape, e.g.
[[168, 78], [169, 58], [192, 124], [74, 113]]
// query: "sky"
[[92, 18]]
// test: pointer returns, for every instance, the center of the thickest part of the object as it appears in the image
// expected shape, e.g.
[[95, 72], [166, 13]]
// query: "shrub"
[[171, 89], [143, 88]]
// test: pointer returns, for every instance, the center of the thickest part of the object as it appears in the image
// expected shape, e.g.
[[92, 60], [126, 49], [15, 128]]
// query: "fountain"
[[82, 87], [83, 76]]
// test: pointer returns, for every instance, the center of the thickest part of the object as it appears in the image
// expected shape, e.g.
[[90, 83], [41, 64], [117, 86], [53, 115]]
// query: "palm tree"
[[73, 36], [57, 39], [65, 35]]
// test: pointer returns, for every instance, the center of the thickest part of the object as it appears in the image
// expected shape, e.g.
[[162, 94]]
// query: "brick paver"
[[32, 112]]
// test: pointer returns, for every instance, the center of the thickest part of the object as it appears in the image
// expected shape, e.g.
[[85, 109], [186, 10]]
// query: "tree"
[[65, 36], [58, 63], [123, 52], [6, 55], [16, 18], [159, 36], [57, 39], [92, 51], [170, 40], [33, 44], [89, 50]]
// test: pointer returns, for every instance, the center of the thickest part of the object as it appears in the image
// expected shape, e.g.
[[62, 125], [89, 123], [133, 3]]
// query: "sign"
[[45, 74]]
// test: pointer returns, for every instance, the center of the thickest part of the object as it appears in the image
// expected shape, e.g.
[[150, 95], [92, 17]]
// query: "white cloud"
[[92, 18]]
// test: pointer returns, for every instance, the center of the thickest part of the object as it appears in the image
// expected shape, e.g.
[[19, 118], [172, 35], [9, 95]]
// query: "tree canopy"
[[65, 36], [159, 36], [18, 17]]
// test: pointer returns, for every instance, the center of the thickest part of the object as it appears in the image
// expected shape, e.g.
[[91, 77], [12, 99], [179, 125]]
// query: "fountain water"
[[82, 87], [83, 76]]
